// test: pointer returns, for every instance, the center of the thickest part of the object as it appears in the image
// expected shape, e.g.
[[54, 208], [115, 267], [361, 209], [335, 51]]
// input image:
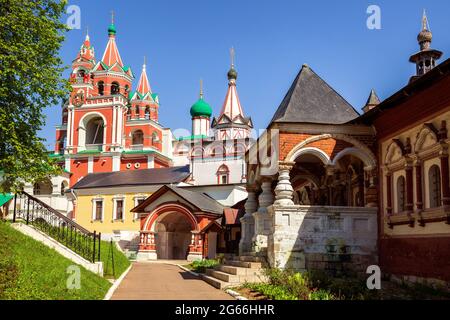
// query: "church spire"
[[86, 50], [372, 101], [231, 123], [112, 55], [425, 59], [232, 106], [143, 85]]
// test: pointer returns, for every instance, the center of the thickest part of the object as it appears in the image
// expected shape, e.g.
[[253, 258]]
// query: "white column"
[[90, 164], [262, 221], [284, 191], [150, 162], [248, 222], [114, 120]]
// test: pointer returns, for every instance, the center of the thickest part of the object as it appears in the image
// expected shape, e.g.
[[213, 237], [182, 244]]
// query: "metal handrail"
[[61, 228]]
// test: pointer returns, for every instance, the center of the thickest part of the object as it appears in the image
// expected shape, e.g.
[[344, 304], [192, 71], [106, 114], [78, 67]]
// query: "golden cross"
[[112, 16]]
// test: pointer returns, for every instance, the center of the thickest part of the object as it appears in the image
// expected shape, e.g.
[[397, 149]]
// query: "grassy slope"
[[30, 270], [121, 263]]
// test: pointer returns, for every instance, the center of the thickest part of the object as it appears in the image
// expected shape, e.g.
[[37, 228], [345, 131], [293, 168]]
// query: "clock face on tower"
[[78, 99]]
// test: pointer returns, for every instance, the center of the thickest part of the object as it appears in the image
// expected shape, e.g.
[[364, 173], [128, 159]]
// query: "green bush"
[[200, 266], [321, 294], [272, 292]]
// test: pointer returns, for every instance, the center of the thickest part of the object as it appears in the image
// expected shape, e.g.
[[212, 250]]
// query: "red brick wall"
[[421, 257], [330, 146]]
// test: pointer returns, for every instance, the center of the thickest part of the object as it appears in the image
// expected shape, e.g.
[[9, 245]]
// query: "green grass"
[[200, 266], [109, 252], [30, 270]]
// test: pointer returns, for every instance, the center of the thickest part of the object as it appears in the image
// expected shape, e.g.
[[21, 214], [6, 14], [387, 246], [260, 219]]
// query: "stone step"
[[243, 264], [250, 258], [223, 276], [239, 271], [216, 283]]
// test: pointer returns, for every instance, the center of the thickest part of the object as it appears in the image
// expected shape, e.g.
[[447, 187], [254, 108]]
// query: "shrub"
[[272, 292], [200, 266], [321, 294]]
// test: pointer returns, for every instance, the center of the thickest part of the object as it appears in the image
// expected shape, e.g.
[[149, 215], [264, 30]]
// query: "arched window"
[[101, 87], [223, 175], [138, 137], [129, 113], [64, 186], [434, 178], [115, 89], [81, 73], [94, 131], [65, 115], [137, 111], [147, 112], [43, 188], [401, 192], [155, 138]]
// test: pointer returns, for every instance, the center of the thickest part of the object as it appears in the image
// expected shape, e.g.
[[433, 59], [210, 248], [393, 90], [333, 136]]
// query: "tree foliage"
[[31, 34]]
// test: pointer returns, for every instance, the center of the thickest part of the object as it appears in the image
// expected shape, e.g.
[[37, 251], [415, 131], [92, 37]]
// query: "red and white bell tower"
[[105, 125]]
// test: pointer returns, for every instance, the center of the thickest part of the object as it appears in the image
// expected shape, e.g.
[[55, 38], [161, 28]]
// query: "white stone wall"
[[301, 231], [205, 171]]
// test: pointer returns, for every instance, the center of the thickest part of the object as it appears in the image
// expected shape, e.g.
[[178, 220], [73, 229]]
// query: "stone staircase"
[[235, 271]]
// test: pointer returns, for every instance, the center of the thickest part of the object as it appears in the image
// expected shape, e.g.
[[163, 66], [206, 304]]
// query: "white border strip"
[[235, 295], [116, 284]]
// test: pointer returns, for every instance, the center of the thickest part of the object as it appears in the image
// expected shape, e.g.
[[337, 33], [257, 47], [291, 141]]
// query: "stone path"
[[159, 281]]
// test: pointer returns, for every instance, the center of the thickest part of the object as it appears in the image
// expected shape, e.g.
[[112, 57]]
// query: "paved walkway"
[[159, 281]]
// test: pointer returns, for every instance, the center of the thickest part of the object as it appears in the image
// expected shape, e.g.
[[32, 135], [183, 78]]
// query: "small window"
[[63, 187], [401, 192], [434, 178], [224, 179], [223, 174], [101, 87], [115, 88], [119, 209], [98, 210], [147, 113], [138, 137]]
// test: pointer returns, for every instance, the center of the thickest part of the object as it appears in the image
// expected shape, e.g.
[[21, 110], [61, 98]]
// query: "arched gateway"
[[173, 224]]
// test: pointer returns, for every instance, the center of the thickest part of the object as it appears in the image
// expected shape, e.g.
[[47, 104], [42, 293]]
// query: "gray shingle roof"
[[311, 100], [198, 199], [134, 178]]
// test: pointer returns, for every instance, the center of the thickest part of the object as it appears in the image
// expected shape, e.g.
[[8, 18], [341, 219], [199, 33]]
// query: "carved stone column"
[[284, 191], [372, 191], [388, 193], [248, 222], [262, 219], [409, 188], [419, 192]]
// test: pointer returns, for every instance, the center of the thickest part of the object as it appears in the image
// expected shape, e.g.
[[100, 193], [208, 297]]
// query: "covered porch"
[[318, 211]]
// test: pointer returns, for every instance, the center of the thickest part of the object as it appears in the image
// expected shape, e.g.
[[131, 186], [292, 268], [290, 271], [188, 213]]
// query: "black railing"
[[53, 223]]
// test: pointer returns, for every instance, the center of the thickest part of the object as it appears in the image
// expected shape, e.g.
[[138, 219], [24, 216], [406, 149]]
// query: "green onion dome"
[[201, 108], [112, 29]]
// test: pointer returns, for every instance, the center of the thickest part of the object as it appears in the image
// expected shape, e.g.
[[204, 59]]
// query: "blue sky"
[[188, 40]]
